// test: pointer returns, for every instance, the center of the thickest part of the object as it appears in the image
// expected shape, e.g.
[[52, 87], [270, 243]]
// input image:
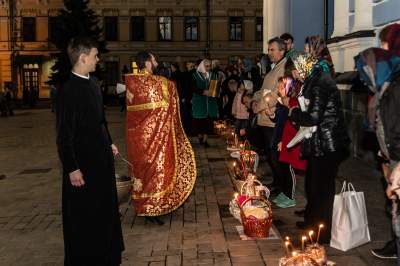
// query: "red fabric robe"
[[164, 167]]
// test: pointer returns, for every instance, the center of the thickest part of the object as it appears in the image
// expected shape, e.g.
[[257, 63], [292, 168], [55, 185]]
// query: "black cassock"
[[91, 224]]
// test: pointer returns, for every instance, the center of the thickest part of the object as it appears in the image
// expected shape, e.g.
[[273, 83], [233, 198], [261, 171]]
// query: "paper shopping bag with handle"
[[349, 220]]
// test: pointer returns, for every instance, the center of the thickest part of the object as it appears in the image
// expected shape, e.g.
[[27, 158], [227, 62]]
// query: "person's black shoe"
[[300, 213], [389, 251], [154, 220]]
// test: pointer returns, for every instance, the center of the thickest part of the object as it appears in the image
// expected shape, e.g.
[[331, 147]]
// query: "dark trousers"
[[271, 153], [398, 250], [320, 192], [241, 124], [287, 180]]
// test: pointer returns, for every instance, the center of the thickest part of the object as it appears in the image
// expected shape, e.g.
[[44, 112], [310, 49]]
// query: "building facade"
[[175, 30], [357, 24], [301, 18]]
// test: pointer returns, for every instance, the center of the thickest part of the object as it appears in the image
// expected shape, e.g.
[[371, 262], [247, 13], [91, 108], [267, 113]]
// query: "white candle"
[[319, 231], [303, 239], [311, 233], [287, 243]]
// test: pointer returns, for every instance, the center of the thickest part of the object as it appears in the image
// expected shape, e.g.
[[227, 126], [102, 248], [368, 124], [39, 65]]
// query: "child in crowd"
[[284, 131], [239, 108]]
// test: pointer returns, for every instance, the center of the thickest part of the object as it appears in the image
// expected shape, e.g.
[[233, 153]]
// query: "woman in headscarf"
[[316, 46], [380, 70], [320, 111], [204, 108]]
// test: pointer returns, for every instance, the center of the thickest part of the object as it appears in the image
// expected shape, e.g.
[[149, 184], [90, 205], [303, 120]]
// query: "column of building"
[[276, 19]]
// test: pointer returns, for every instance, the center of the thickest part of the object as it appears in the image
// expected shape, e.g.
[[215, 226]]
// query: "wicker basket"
[[256, 188], [219, 127], [252, 226]]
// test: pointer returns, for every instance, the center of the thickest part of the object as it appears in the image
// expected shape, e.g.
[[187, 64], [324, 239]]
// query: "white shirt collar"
[[81, 76]]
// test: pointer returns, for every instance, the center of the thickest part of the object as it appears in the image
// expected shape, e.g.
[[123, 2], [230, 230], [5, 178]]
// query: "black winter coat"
[[325, 112], [389, 108]]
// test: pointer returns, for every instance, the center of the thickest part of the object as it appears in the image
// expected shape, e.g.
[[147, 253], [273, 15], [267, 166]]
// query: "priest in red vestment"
[[163, 163]]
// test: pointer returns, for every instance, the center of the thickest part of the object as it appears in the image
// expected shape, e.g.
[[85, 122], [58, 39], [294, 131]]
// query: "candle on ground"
[[319, 231], [287, 243], [303, 239], [311, 233]]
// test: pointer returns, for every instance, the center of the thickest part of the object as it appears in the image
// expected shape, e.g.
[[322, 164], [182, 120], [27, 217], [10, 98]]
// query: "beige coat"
[[267, 96]]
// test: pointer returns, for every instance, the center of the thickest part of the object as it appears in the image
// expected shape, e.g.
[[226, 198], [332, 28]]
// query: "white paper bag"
[[303, 133], [349, 220]]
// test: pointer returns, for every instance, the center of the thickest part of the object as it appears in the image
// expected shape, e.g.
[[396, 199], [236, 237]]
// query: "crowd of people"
[[288, 91], [269, 100], [287, 105]]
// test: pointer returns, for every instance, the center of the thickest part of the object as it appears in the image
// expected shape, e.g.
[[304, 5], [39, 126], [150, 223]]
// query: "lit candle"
[[294, 253], [287, 243], [303, 239], [311, 233], [319, 231], [234, 164], [236, 195], [287, 239]]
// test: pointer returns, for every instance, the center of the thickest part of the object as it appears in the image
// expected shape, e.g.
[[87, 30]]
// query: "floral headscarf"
[[318, 48], [304, 63]]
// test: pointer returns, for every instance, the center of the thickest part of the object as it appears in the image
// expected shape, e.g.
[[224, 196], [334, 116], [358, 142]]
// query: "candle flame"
[[287, 238], [303, 238], [294, 253], [311, 233], [287, 243], [321, 226]]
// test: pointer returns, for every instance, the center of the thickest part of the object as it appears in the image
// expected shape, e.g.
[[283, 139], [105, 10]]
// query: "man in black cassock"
[[91, 224]]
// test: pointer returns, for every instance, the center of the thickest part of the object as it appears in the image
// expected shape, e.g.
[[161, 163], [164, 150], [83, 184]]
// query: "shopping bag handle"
[[343, 187], [350, 187]]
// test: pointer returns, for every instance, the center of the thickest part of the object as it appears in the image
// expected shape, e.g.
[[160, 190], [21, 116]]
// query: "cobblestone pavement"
[[202, 232]]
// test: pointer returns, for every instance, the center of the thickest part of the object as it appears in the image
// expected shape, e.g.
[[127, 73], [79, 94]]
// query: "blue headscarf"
[[376, 66]]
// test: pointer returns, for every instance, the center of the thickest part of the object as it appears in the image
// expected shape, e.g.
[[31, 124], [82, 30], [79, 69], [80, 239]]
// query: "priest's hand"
[[114, 149], [205, 92], [76, 178]]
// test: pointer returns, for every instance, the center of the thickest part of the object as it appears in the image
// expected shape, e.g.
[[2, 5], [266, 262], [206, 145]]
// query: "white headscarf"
[[202, 69]]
